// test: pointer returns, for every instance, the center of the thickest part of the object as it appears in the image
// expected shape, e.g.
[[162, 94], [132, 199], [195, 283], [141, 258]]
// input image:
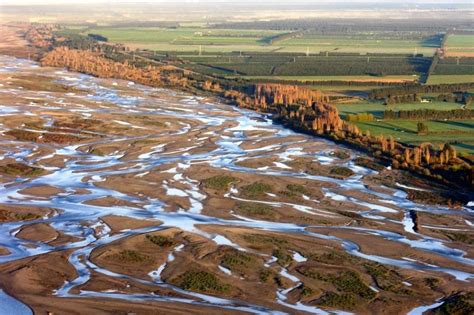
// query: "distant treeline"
[[98, 37], [380, 94], [332, 82], [429, 114], [453, 66], [332, 25], [89, 42]]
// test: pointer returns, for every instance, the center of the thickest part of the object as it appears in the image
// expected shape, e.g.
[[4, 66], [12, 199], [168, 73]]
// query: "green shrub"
[[160, 240], [296, 188], [283, 258], [19, 169], [256, 209], [133, 256], [256, 189], [351, 282], [265, 275], [340, 171], [219, 182], [236, 259], [462, 304], [202, 281], [343, 301]]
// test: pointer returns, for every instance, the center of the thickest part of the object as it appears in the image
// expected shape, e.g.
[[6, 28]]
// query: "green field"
[[460, 41], [377, 108], [302, 56], [440, 132], [406, 130], [459, 45], [359, 78], [444, 79], [190, 37], [358, 43]]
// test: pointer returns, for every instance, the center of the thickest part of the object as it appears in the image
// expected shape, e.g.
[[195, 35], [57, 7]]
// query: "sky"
[[44, 2]]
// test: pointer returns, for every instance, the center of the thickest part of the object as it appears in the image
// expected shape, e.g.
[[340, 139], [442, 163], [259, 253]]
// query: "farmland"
[[341, 63], [459, 133], [343, 78], [406, 130], [377, 108], [460, 45], [188, 39], [441, 79]]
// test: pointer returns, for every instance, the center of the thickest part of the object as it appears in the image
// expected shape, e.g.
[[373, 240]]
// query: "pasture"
[[446, 79], [458, 133], [459, 45], [189, 37]]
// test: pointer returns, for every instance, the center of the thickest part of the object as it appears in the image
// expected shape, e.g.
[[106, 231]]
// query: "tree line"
[[380, 94], [429, 114]]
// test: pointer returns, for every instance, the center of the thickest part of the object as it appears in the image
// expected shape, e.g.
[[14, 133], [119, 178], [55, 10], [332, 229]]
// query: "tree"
[[422, 129]]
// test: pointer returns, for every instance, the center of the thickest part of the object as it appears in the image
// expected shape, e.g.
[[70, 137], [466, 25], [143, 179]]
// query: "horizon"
[[277, 2]]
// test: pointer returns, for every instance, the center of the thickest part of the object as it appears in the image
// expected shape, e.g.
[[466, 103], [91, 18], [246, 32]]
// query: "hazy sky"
[[26, 2]]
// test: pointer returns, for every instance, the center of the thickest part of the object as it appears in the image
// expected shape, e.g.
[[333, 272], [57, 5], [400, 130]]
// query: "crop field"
[[455, 66], [460, 45], [190, 37], [312, 57], [282, 53], [354, 78], [462, 132], [277, 65], [361, 43], [444, 79]]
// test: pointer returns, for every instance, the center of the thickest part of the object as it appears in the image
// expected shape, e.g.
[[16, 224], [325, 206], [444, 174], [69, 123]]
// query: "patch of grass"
[[154, 123], [343, 301], [6, 215], [283, 258], [19, 169], [59, 138], [458, 237], [351, 281], [386, 279], [202, 281], [97, 151], [341, 172], [160, 240], [459, 133], [332, 258], [342, 155], [258, 239], [256, 189], [296, 188], [306, 291], [461, 304], [256, 209], [265, 275], [449, 78], [347, 282], [131, 256], [23, 135], [219, 182], [236, 260], [432, 283]]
